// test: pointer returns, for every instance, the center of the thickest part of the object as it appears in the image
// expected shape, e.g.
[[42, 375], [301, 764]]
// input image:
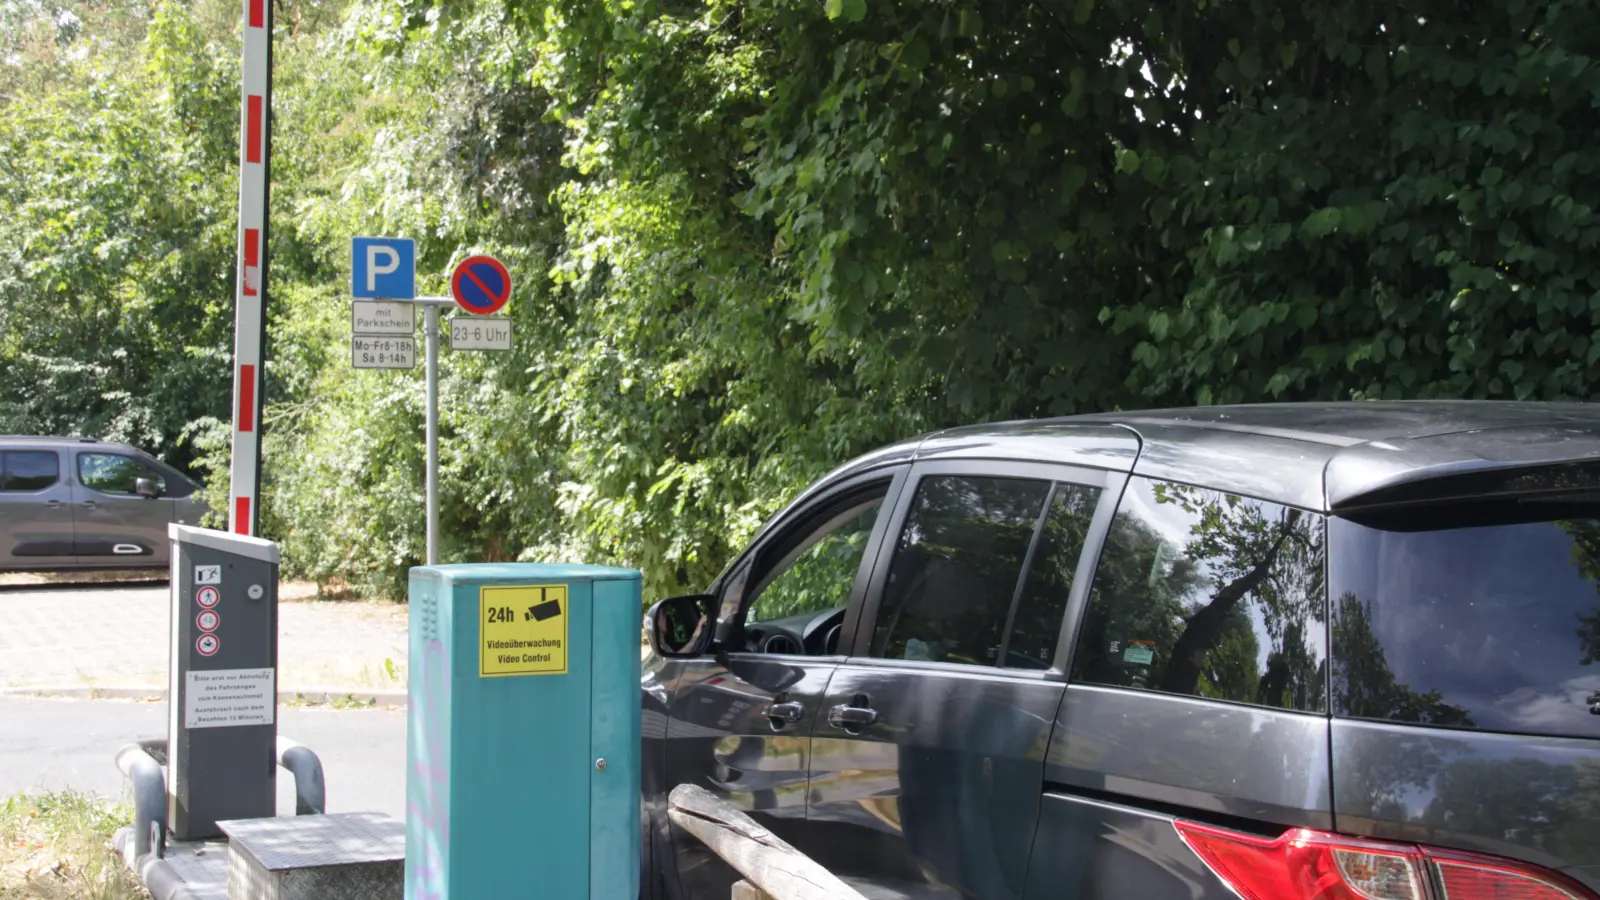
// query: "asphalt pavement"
[[48, 744]]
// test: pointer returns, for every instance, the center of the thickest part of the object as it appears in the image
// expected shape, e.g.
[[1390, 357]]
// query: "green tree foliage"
[[1390, 202], [118, 159], [754, 237], [116, 239]]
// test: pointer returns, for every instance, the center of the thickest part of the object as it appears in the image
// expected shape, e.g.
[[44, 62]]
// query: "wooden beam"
[[744, 890], [767, 863]]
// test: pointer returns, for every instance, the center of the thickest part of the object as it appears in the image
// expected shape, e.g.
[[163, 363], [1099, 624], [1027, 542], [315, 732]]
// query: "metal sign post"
[[383, 278], [430, 327]]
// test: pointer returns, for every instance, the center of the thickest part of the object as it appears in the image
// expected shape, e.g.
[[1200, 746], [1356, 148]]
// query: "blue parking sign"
[[383, 268]]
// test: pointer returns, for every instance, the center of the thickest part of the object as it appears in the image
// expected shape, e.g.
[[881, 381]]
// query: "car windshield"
[[1470, 616]]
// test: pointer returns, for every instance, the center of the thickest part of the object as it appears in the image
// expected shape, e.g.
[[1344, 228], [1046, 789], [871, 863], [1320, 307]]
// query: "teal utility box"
[[522, 733]]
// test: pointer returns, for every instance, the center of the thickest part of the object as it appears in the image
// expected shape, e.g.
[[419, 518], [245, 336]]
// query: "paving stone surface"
[[116, 635]]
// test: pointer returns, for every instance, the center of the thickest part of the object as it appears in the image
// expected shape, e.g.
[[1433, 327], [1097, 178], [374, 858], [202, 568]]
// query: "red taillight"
[[1306, 865], [1302, 864], [1469, 878]]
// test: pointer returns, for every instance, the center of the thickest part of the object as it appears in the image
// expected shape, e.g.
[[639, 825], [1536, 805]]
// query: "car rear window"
[[1469, 616]]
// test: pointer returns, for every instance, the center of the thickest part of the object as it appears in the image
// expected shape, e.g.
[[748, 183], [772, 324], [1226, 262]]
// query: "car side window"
[[956, 568], [1209, 594], [818, 573], [28, 470], [1036, 624], [111, 473]]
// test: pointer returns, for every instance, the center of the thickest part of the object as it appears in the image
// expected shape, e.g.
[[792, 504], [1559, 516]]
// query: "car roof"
[[28, 441], [1321, 456], [56, 439]]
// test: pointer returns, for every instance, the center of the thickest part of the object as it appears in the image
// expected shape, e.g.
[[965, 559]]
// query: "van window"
[[110, 473], [1209, 594], [29, 470], [1469, 616], [956, 568]]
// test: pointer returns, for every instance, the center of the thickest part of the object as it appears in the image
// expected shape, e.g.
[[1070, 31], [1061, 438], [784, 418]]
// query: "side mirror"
[[146, 488], [681, 627]]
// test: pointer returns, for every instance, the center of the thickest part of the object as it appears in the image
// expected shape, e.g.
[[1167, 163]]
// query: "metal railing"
[[141, 763]]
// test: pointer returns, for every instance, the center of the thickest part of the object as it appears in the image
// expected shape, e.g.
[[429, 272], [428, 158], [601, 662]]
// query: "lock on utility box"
[[522, 739]]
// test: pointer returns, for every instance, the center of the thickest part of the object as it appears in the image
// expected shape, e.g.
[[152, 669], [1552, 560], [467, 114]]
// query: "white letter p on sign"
[[374, 269]]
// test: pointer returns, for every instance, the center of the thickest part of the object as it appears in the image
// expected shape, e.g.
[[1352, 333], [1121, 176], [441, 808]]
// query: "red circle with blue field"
[[481, 285]]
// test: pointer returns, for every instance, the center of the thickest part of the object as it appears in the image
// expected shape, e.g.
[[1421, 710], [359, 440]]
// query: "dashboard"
[[805, 634]]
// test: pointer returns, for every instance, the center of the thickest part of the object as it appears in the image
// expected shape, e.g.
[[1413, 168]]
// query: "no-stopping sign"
[[480, 285]]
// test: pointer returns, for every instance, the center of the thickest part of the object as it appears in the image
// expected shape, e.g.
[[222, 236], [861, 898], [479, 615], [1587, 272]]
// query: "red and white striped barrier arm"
[[249, 323]]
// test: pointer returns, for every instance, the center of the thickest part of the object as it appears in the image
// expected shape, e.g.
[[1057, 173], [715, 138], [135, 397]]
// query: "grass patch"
[[56, 846], [348, 701]]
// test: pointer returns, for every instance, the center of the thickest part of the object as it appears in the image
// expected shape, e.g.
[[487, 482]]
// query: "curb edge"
[[313, 695]]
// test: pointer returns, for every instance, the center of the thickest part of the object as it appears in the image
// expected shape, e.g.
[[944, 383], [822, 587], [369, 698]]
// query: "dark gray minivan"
[[1272, 652], [79, 503]]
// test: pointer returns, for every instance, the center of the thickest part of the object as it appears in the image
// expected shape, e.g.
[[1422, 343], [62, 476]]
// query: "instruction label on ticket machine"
[[524, 630]]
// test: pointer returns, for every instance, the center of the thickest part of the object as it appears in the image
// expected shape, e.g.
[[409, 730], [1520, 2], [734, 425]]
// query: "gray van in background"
[[81, 503]]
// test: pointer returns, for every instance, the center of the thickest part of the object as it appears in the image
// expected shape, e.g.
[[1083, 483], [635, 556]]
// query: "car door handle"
[[53, 504], [851, 718], [782, 715], [88, 504]]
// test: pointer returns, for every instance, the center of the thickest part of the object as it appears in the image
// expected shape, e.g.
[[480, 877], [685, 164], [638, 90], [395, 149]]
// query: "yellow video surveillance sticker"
[[524, 630]]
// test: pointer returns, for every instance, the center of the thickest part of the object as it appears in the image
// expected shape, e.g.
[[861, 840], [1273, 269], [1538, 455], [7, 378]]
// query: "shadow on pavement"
[[30, 582]]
